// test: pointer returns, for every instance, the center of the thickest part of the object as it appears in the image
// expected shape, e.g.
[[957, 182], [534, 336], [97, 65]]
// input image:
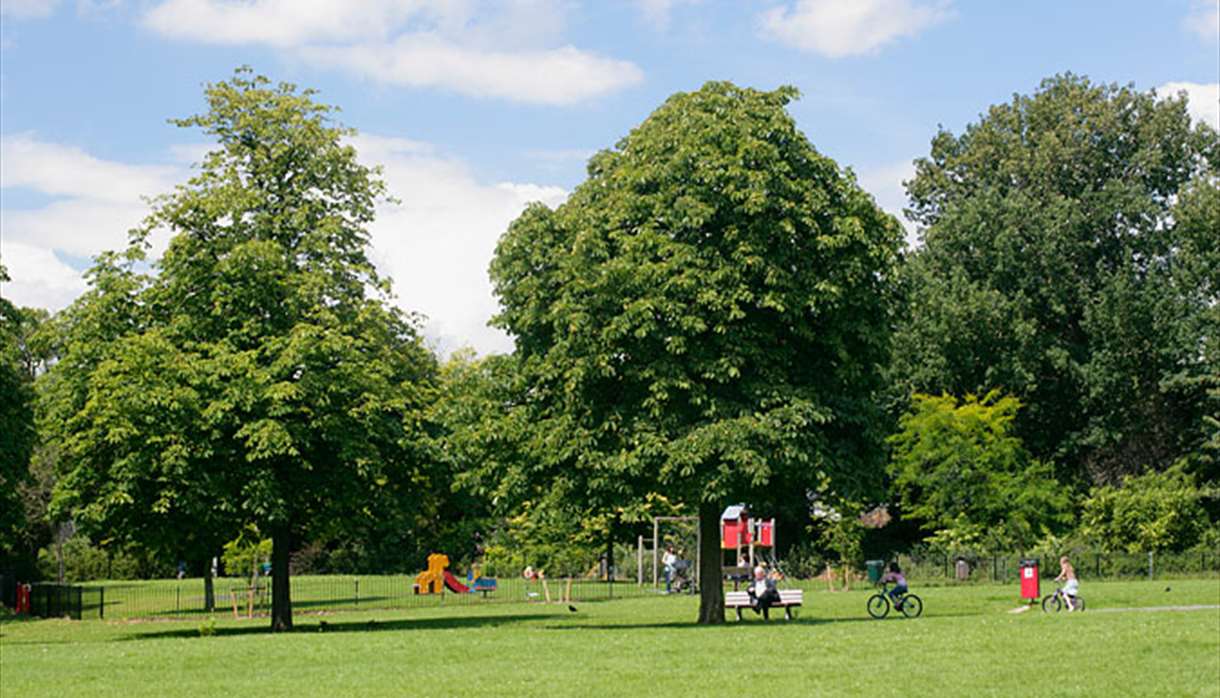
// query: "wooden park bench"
[[788, 600]]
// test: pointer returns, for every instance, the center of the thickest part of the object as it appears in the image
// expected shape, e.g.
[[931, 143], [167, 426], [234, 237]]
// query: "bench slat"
[[787, 597]]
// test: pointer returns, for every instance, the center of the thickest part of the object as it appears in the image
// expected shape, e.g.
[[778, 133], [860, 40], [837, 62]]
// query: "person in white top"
[[763, 593], [1071, 587], [670, 560]]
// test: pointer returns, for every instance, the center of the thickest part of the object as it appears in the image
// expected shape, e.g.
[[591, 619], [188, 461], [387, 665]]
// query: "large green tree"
[[1058, 230], [17, 434], [958, 469], [260, 375], [704, 317]]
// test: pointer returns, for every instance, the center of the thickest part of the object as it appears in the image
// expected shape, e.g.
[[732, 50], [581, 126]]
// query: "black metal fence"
[[984, 568], [320, 593], [66, 601], [330, 593]]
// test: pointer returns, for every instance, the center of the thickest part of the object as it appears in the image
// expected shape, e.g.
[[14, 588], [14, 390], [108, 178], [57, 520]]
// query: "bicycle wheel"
[[1051, 603], [878, 606], [1078, 603], [911, 606]]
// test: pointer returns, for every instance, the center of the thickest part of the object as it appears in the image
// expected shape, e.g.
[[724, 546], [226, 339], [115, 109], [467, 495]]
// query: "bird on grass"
[[572, 608]]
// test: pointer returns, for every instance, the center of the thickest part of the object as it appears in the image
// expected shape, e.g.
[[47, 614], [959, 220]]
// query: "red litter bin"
[[23, 599], [1029, 579]]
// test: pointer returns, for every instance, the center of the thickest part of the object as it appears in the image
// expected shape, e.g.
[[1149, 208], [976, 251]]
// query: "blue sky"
[[476, 108]]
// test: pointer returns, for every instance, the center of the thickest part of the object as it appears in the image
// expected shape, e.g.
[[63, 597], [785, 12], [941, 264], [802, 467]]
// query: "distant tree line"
[[719, 313]]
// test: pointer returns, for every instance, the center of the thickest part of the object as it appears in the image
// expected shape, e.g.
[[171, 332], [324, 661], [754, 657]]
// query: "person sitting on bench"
[[763, 593]]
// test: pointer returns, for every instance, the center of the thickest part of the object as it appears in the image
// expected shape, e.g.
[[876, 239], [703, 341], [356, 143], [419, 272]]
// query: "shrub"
[[1150, 512]]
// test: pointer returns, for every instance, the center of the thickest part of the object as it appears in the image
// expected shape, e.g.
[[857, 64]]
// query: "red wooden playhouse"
[[744, 534]]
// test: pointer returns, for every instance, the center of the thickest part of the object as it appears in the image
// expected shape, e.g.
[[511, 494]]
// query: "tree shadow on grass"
[[692, 625], [750, 621], [361, 626]]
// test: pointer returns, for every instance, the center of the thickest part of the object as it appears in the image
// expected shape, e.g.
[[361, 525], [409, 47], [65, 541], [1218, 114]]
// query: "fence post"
[[178, 599], [639, 561], [1149, 565], [101, 603], [357, 591]]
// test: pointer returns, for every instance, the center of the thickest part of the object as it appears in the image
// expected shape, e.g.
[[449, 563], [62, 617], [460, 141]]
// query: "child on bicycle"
[[900, 584], [1067, 575]]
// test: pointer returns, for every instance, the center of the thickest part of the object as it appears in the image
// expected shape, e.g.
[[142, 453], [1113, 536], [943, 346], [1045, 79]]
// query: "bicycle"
[[908, 604], [1057, 601]]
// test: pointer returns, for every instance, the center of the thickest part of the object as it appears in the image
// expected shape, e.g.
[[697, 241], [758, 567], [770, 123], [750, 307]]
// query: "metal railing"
[[323, 593], [984, 568]]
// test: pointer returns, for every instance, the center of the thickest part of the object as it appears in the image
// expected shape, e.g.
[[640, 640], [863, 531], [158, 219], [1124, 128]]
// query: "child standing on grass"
[[900, 584], [1067, 575]]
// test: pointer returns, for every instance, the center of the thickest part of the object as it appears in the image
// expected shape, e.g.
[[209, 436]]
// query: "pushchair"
[[683, 578]]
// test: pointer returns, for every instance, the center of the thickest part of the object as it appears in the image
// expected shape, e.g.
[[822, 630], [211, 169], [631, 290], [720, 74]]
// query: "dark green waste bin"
[[876, 568]]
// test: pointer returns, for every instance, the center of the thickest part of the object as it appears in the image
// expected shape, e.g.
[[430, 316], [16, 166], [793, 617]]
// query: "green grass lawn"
[[168, 597], [965, 644]]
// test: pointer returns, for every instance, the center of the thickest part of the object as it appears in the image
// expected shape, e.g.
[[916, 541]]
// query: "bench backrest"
[[742, 598]]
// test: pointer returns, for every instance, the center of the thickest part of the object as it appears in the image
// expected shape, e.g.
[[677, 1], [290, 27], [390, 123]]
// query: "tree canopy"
[[706, 316], [960, 471], [259, 374], [17, 432], [1060, 231]]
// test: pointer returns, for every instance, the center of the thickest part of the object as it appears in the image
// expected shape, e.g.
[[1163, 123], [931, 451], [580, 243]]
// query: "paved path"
[[1154, 609]]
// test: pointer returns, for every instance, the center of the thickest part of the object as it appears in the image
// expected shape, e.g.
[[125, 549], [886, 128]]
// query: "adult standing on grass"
[[670, 560]]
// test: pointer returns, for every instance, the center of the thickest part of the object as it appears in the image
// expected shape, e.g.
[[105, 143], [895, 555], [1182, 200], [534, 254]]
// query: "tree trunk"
[[281, 598], [711, 585], [209, 588]]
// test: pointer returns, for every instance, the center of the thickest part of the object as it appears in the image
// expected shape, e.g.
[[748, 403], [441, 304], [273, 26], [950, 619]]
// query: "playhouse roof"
[[734, 512]]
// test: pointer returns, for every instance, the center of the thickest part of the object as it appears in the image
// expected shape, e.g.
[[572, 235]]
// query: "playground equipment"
[[738, 531], [430, 580], [681, 522], [437, 578], [476, 582]]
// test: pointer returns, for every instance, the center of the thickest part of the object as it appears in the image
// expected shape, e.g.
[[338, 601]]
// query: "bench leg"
[[739, 614], [787, 613]]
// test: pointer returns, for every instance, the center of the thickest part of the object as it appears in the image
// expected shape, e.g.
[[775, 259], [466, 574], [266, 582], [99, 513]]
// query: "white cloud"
[[1202, 100], [79, 227], [438, 242], [1204, 20], [561, 160], [505, 50], [96, 202], [51, 168], [554, 76], [39, 278], [884, 182], [292, 22], [837, 29], [658, 13], [27, 9]]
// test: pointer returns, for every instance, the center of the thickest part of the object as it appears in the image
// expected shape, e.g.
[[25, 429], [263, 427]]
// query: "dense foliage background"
[[719, 313]]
